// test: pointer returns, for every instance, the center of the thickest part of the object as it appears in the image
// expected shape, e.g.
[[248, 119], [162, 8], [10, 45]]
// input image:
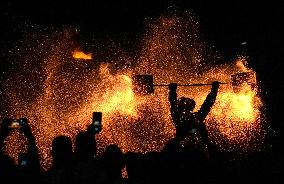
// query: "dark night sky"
[[223, 24]]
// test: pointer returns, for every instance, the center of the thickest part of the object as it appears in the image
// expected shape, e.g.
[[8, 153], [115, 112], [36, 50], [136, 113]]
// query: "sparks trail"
[[66, 92]]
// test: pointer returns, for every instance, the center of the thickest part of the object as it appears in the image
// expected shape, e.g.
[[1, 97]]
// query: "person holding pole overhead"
[[185, 120]]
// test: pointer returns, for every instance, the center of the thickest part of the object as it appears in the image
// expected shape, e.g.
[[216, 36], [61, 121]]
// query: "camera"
[[97, 121], [17, 123]]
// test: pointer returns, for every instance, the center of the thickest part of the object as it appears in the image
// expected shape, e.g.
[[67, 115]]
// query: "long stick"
[[187, 84]]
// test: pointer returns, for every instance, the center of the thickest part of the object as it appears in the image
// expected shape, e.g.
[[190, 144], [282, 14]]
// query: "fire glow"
[[64, 97], [81, 55], [120, 97]]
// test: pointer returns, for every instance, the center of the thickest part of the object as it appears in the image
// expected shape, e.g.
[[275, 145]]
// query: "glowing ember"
[[241, 64], [241, 105], [120, 97], [59, 98], [81, 55], [237, 114]]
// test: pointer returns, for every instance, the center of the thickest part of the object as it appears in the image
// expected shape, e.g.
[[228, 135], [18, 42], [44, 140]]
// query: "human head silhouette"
[[85, 146], [114, 157], [61, 150], [185, 104]]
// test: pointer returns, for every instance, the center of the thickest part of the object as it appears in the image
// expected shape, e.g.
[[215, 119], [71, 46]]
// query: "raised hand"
[[25, 128], [173, 86], [216, 84]]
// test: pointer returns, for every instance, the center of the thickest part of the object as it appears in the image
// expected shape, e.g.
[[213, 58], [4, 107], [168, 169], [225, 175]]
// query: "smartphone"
[[15, 124], [97, 121]]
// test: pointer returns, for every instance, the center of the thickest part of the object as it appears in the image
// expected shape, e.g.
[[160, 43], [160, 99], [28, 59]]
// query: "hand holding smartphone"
[[17, 123], [97, 122]]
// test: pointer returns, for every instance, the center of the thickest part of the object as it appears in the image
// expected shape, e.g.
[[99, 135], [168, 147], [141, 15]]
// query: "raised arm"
[[209, 101], [173, 101], [33, 157], [203, 112]]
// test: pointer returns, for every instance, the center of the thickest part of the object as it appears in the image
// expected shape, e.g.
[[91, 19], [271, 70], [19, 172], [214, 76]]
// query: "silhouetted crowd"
[[189, 157]]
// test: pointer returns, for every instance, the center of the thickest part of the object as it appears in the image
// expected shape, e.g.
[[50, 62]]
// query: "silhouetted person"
[[87, 167], [62, 163], [134, 167], [185, 120], [152, 168], [144, 168], [29, 162], [186, 156], [8, 169], [85, 146], [113, 163]]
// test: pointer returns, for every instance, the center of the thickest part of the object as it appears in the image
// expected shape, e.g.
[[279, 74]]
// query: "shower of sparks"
[[81, 55], [58, 94]]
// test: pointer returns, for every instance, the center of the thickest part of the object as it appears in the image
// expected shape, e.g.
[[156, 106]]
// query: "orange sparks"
[[172, 52], [236, 113], [118, 96], [81, 55]]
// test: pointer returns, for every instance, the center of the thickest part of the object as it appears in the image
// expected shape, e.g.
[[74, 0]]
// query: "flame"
[[237, 113], [118, 96], [239, 106], [81, 55]]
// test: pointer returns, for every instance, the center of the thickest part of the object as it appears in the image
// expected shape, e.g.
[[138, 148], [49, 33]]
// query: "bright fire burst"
[[58, 95], [81, 55], [119, 97]]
